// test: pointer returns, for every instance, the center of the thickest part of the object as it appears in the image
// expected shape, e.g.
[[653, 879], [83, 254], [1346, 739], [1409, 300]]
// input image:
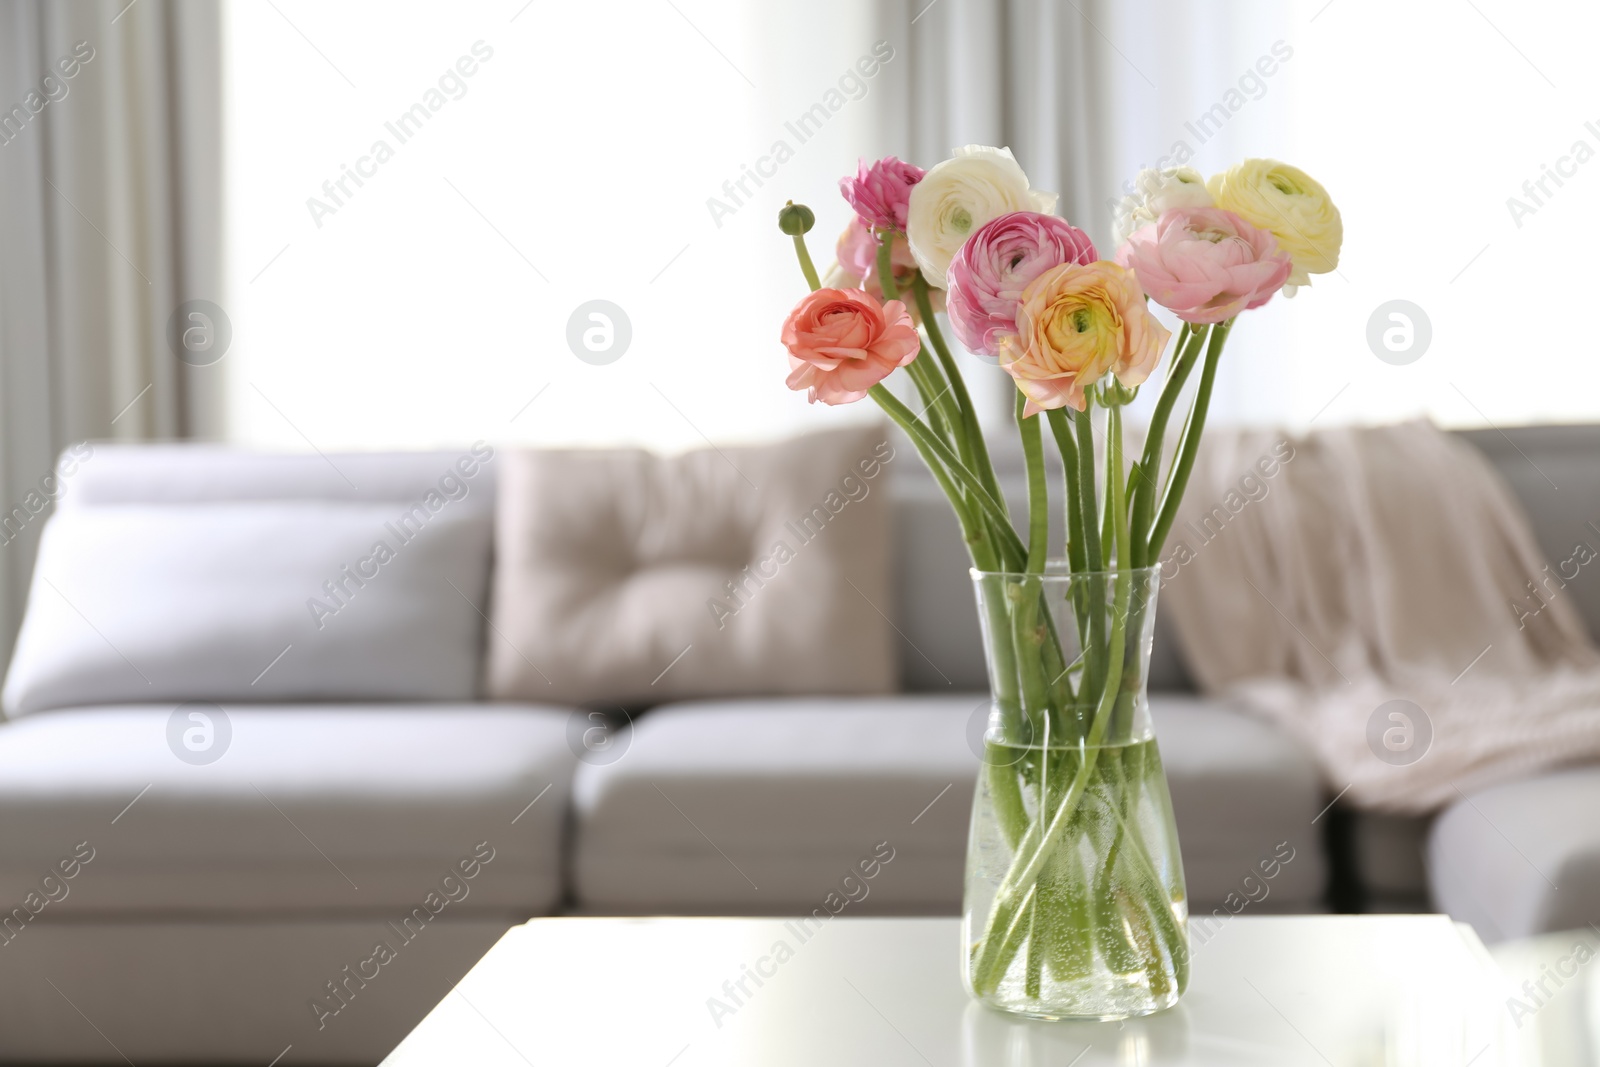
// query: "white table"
[[1554, 995], [1316, 990]]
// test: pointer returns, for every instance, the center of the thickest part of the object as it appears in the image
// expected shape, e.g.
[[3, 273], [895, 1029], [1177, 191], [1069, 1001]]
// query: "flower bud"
[[1113, 394], [795, 219]]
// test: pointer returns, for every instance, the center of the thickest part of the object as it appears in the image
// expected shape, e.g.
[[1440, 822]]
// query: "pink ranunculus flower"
[[986, 278], [1206, 264], [1077, 322], [842, 342], [880, 193], [857, 253]]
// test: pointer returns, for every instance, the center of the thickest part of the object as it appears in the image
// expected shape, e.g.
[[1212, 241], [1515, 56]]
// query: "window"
[[1424, 120], [421, 196]]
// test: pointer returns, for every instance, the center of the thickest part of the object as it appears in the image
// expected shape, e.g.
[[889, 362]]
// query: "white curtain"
[[109, 216], [1028, 74], [1086, 92]]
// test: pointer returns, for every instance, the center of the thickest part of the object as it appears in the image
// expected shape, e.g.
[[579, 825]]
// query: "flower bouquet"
[[1075, 903]]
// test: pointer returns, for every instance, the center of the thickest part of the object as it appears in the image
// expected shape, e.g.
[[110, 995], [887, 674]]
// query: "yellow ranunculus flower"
[[1290, 204]]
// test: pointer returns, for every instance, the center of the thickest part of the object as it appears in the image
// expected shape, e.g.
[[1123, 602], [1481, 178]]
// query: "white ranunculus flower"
[[958, 196], [1155, 193]]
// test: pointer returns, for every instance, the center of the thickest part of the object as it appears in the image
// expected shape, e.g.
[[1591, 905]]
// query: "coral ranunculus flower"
[[1076, 323], [1206, 264], [842, 342], [881, 193], [990, 270]]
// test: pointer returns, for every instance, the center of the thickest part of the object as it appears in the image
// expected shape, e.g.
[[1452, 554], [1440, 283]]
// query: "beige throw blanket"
[[1369, 590]]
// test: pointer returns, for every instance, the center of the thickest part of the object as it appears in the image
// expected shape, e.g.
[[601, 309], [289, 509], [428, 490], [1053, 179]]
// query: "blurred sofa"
[[302, 855]]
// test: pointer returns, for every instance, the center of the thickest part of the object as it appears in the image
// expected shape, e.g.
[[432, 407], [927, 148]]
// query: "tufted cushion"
[[253, 601], [625, 578]]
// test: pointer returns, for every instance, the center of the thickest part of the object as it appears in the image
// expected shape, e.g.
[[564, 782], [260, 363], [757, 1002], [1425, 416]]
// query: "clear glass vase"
[[1075, 904]]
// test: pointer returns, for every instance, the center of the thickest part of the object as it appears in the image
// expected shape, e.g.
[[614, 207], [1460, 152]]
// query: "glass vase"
[[1074, 904]]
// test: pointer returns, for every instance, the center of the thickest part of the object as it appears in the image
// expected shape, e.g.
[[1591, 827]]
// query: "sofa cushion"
[[194, 473], [749, 807], [1552, 471], [1241, 789], [309, 808], [1522, 858], [763, 807], [628, 578], [286, 600]]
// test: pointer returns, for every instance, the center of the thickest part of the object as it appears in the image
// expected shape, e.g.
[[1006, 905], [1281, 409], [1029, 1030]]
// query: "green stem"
[[807, 268], [1054, 688], [1143, 491], [1006, 791], [934, 396], [994, 956], [1094, 592], [924, 441], [994, 959], [937, 397], [1108, 518], [1086, 491], [1077, 554], [1160, 908], [1014, 555], [1027, 635], [979, 458], [1183, 465], [1062, 429], [891, 291], [1033, 979], [1115, 491], [1119, 950], [1002, 776], [931, 386], [1038, 495]]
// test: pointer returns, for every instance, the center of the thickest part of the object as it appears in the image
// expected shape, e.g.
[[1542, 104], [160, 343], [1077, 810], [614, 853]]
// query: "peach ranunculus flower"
[[1076, 323], [842, 342]]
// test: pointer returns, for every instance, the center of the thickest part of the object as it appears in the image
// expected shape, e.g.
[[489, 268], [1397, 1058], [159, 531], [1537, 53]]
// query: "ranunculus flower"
[[857, 266], [1206, 264], [1075, 323], [880, 193], [986, 278], [1156, 192], [858, 253], [1290, 204], [842, 342], [958, 196]]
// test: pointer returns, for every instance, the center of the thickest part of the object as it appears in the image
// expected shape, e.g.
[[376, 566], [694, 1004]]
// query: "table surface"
[[1279, 991]]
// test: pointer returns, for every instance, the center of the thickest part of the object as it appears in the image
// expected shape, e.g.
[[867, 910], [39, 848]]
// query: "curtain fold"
[[110, 215], [1027, 74]]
